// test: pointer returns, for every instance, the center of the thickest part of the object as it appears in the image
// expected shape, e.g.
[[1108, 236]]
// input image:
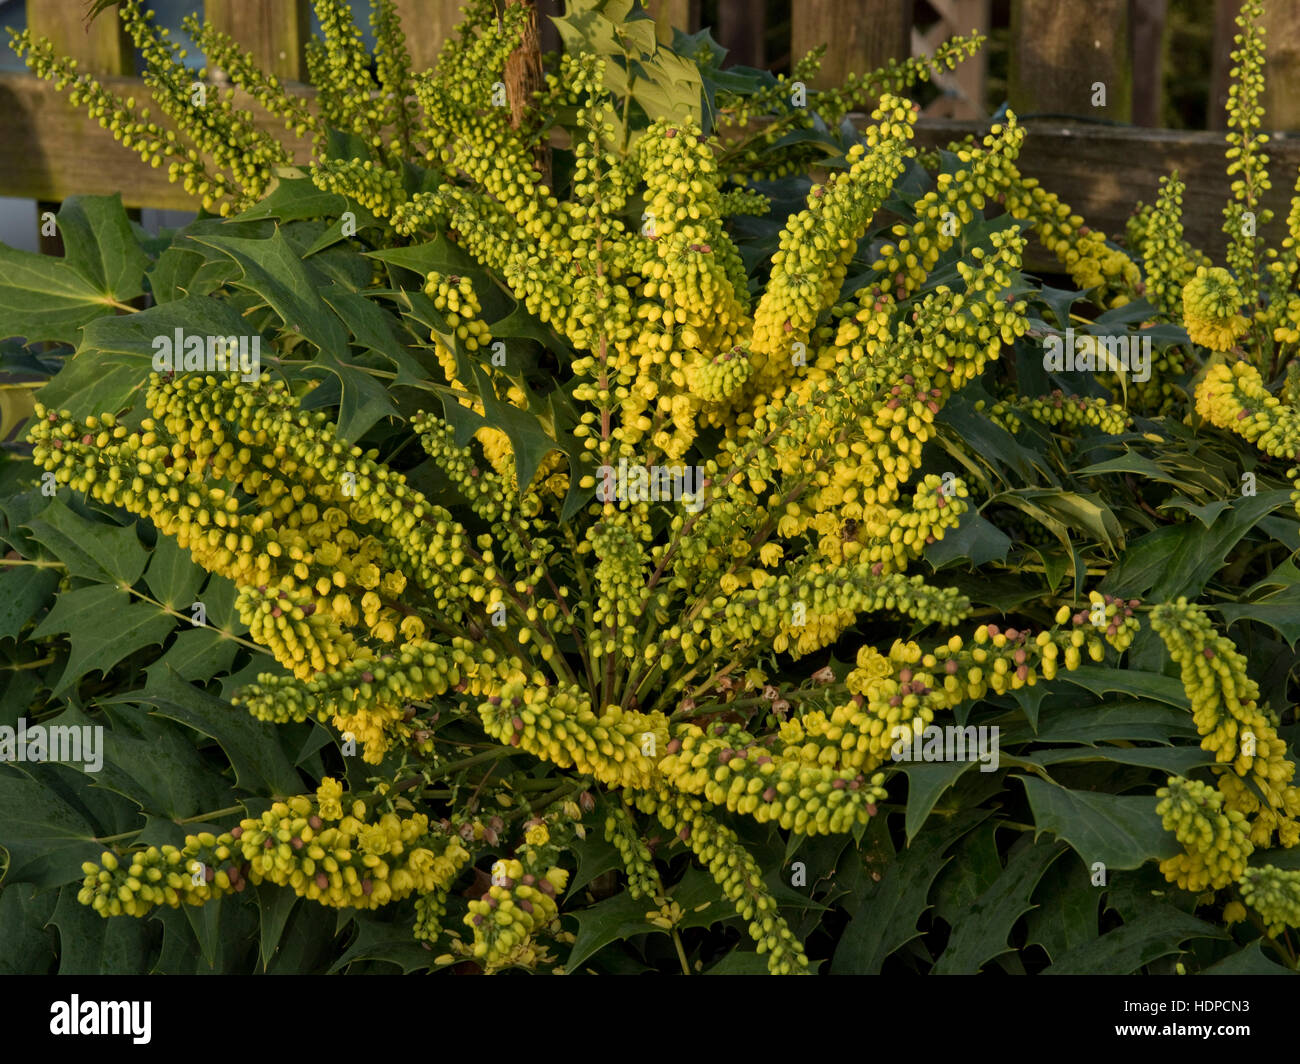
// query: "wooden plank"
[[1060, 51], [858, 40], [1103, 171], [742, 30], [427, 23], [1148, 61], [1225, 12], [547, 10], [963, 88], [672, 15], [1281, 101], [53, 151], [275, 31], [100, 47]]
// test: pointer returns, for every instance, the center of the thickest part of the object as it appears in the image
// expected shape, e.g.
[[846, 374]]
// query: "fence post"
[[858, 40], [275, 31], [1281, 24], [741, 28], [1064, 57], [102, 47], [1148, 61], [672, 15], [427, 24]]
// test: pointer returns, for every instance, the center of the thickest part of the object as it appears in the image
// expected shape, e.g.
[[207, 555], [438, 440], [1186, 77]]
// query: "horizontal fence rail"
[[1058, 54]]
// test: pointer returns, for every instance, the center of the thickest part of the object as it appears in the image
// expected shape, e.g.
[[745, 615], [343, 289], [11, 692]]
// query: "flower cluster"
[[1216, 842], [1251, 757], [1211, 302], [1233, 397], [1060, 409], [305, 844]]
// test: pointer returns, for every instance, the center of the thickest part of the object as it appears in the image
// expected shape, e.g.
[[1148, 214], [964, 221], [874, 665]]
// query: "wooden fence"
[[1100, 160]]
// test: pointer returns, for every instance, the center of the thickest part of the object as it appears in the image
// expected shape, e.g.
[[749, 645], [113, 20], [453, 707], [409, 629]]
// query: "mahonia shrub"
[[647, 539]]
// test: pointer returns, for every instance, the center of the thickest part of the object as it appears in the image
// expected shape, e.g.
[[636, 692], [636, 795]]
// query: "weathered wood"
[[1225, 12], [1103, 171], [1148, 61], [742, 25], [100, 47], [672, 15], [524, 66], [1281, 23], [547, 10], [427, 23], [52, 151], [275, 31], [1061, 51], [859, 38]]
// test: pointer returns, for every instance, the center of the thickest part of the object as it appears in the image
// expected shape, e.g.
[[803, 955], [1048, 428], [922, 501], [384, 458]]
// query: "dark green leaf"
[[1120, 831], [886, 919], [983, 934], [24, 589], [1250, 960], [94, 549], [1129, 947], [103, 626]]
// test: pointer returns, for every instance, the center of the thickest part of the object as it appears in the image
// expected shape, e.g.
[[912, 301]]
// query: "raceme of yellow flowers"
[[1253, 801], [1249, 307], [595, 645]]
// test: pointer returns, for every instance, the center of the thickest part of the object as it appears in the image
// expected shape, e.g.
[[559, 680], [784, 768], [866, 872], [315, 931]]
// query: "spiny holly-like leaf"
[[611, 920], [1068, 908], [46, 839], [91, 945], [294, 198], [271, 269], [253, 746], [379, 939], [975, 540], [104, 626], [1281, 612], [173, 577], [29, 942], [198, 654], [1251, 960], [92, 549], [373, 329], [152, 762], [24, 589], [1181, 559], [1127, 948], [982, 935], [926, 782], [1120, 831], [887, 917], [1151, 685], [362, 400], [43, 298], [110, 369]]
